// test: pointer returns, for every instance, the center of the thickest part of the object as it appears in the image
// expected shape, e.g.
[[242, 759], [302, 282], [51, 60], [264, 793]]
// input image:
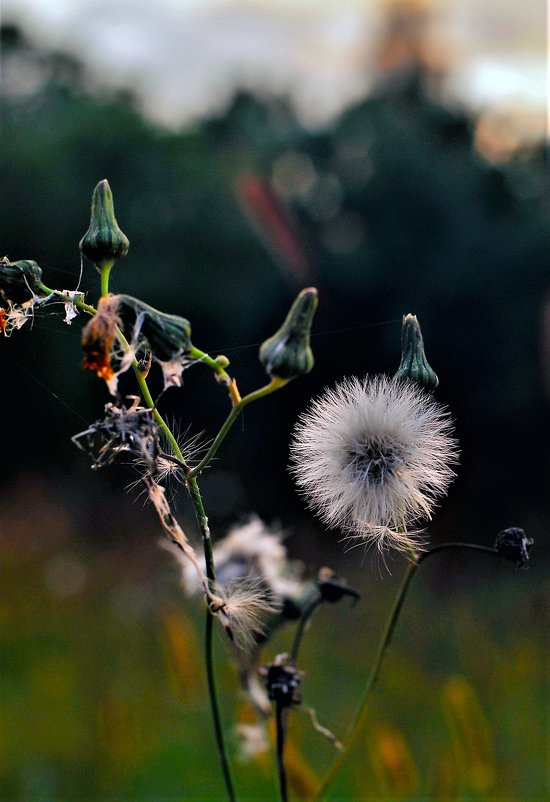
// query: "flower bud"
[[104, 241], [288, 354], [514, 545], [19, 280], [414, 365], [168, 336]]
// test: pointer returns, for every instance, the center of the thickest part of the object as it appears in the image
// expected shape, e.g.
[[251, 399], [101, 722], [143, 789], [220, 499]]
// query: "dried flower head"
[[254, 550], [242, 607], [122, 429], [282, 681], [373, 457], [514, 545], [98, 336]]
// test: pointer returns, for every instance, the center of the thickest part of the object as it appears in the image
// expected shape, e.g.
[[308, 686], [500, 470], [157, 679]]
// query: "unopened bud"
[[514, 545], [222, 361], [168, 336], [288, 354], [414, 365], [19, 281], [104, 241]]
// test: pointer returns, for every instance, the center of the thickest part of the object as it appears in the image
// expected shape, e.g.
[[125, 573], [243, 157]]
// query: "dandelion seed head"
[[372, 457]]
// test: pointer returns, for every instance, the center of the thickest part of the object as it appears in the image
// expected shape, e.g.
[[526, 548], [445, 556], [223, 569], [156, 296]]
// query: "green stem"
[[274, 384], [104, 272], [202, 521], [202, 356], [361, 712]]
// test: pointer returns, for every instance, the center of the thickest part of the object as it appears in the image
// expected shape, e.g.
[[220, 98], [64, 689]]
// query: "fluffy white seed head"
[[252, 549], [372, 457], [242, 607]]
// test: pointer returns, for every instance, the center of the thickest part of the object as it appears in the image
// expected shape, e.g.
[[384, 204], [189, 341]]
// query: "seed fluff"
[[372, 457]]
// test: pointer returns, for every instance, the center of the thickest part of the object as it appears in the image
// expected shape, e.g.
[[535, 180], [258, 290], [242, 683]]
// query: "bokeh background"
[[391, 154]]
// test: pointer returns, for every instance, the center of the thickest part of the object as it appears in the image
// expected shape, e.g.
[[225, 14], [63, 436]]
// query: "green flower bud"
[[222, 361], [168, 336], [19, 280], [414, 365], [288, 354], [104, 241]]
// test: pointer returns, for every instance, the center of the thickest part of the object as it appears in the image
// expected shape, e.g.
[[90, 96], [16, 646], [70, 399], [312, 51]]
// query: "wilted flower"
[[98, 337], [514, 545], [372, 457], [242, 607], [122, 429]]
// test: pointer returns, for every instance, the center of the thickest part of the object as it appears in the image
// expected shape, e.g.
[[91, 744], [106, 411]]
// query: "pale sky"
[[187, 55]]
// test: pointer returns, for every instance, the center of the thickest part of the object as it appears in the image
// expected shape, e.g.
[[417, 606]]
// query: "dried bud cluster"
[[282, 681]]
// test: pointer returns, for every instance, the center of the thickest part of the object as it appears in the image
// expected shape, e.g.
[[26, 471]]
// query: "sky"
[[186, 56]]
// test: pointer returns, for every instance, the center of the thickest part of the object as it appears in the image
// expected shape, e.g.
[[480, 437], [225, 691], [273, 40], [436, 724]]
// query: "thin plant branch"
[[361, 712]]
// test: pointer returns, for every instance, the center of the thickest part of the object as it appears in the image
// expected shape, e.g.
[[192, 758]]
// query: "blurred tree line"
[[389, 210]]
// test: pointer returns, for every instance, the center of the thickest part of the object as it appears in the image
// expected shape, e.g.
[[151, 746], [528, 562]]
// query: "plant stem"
[[202, 520], [280, 716], [104, 272], [212, 692], [274, 384], [301, 628], [221, 373], [361, 712], [443, 546]]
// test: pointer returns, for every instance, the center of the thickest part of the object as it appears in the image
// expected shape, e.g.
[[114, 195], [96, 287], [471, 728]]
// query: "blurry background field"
[[393, 156]]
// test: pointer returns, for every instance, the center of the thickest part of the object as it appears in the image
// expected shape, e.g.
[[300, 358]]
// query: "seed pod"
[[104, 241], [414, 365], [514, 545], [168, 336], [288, 354], [19, 280]]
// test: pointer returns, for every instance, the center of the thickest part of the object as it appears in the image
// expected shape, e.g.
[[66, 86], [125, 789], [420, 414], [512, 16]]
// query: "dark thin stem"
[[280, 720], [214, 706], [301, 628], [202, 520], [443, 546]]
